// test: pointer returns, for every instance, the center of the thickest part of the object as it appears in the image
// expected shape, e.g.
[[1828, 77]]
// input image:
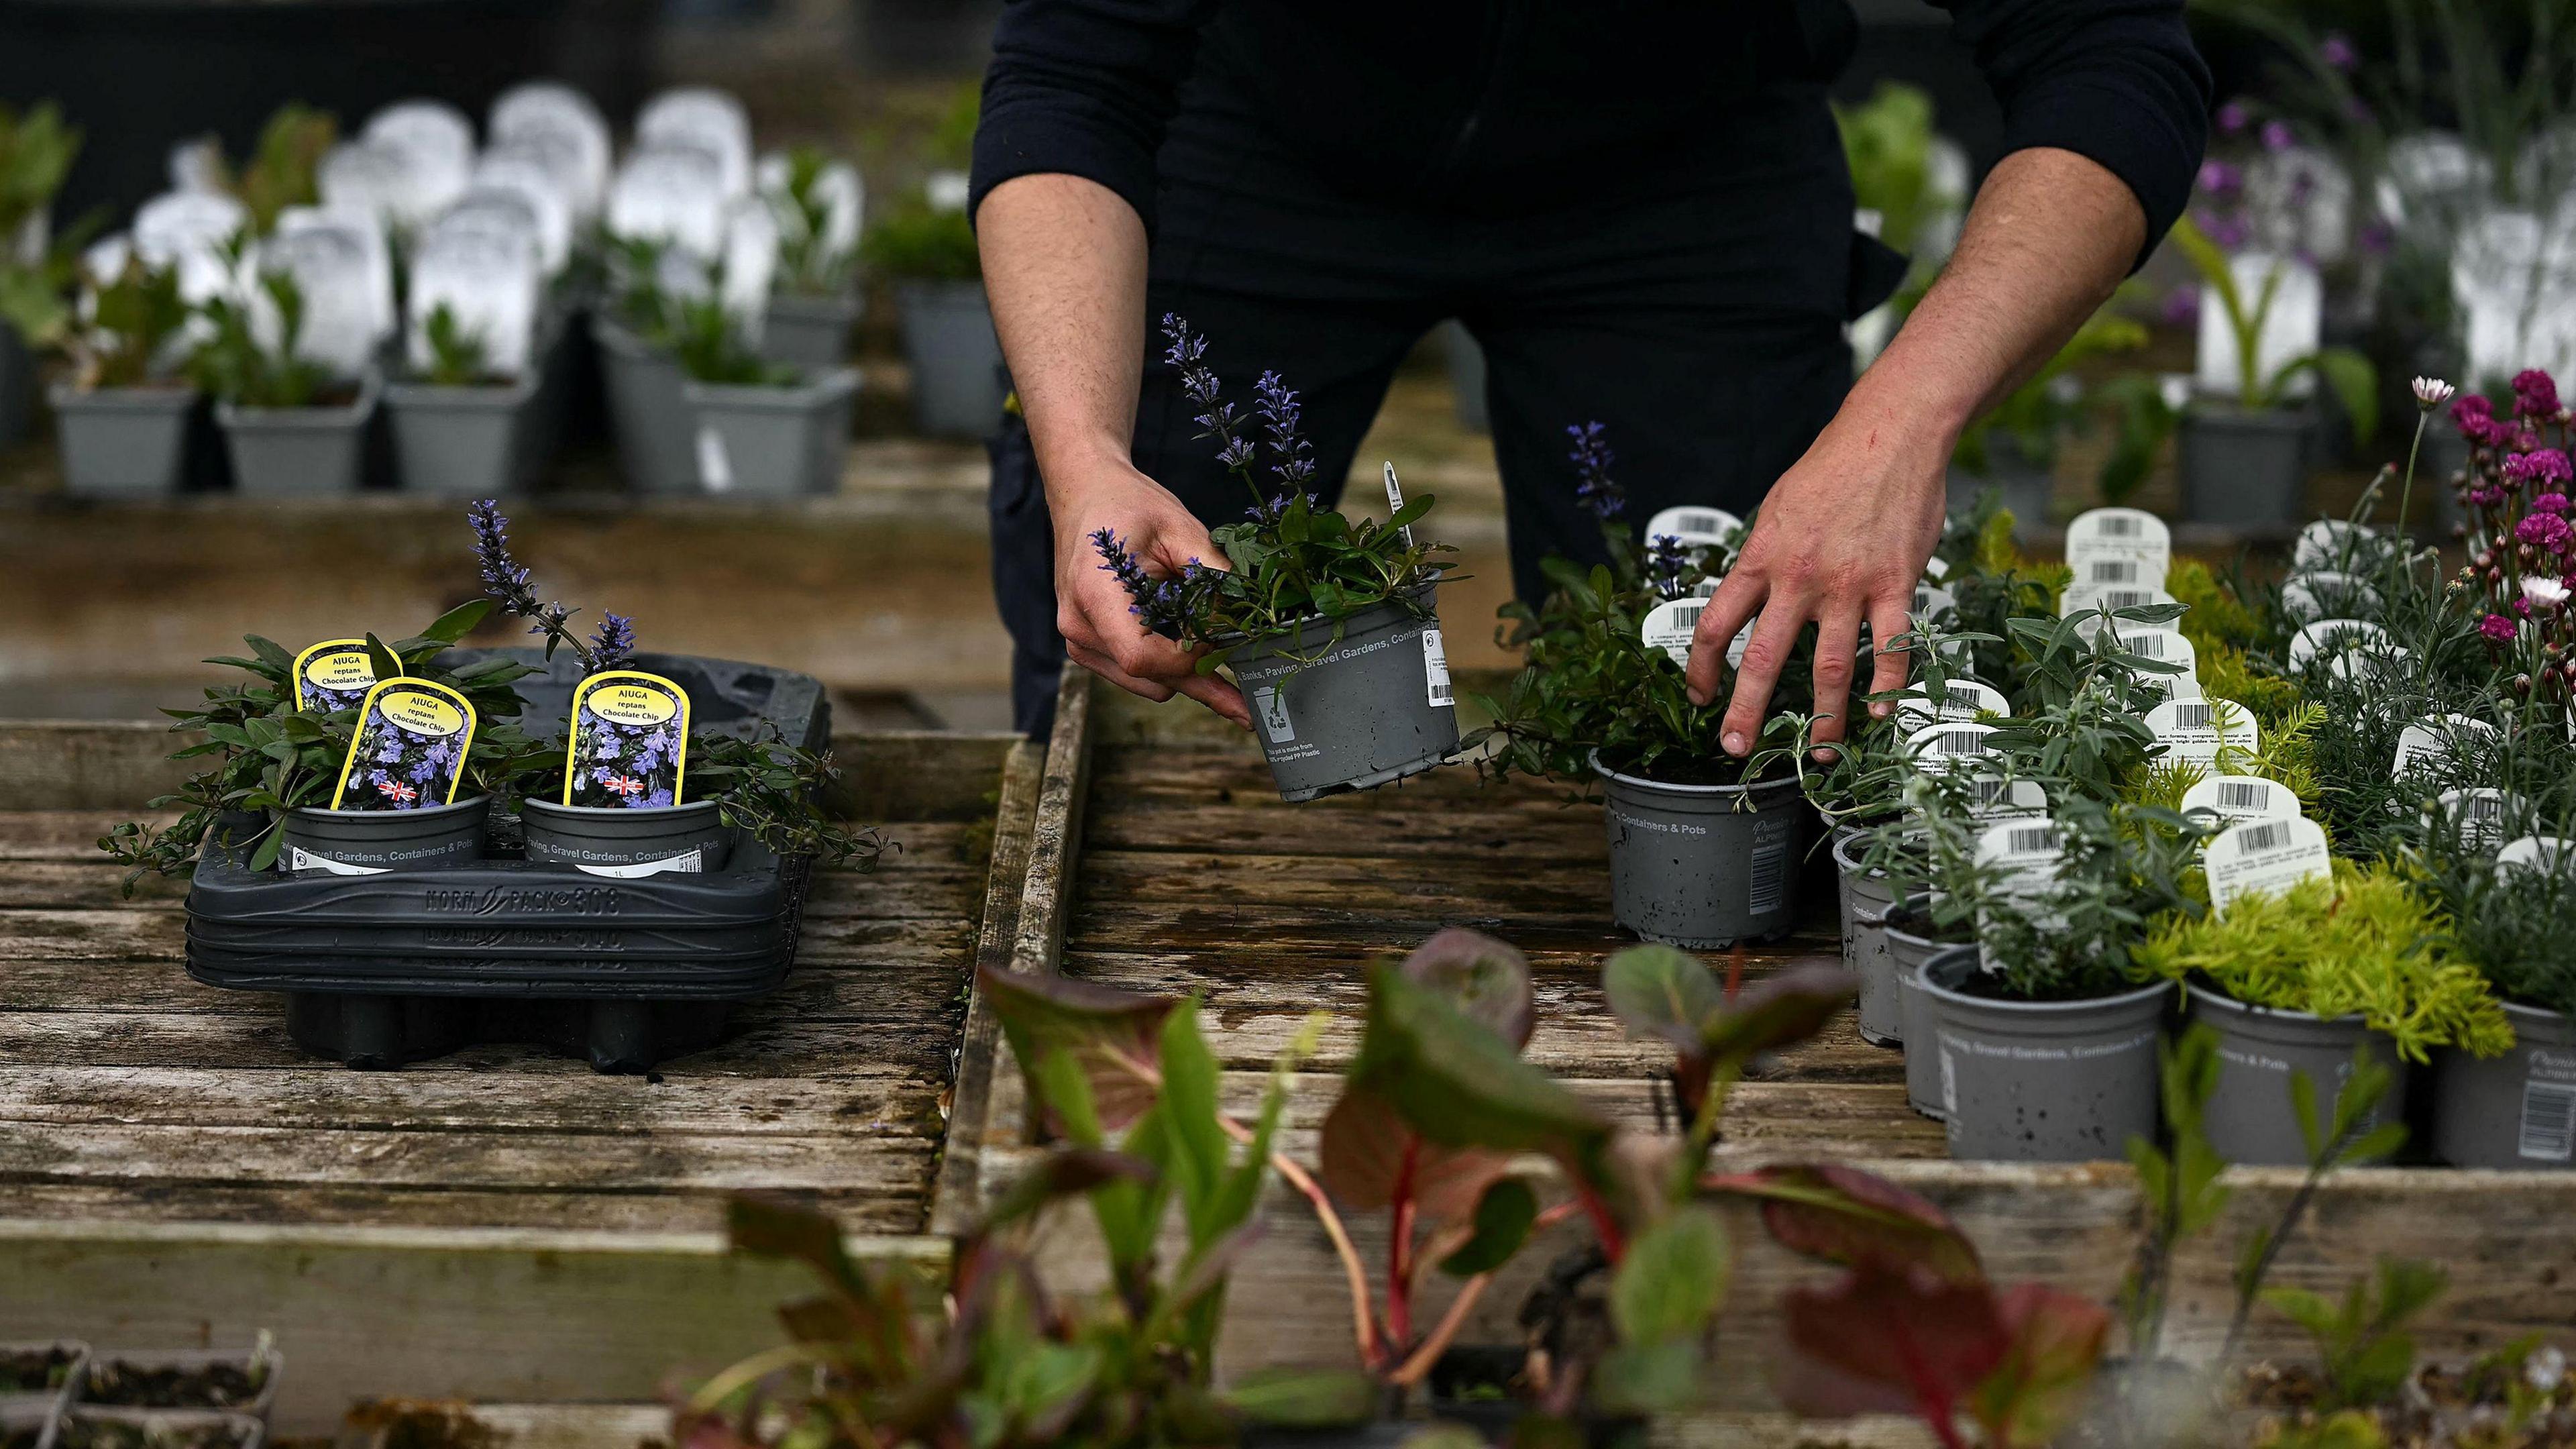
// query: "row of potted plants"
[[66, 1395]]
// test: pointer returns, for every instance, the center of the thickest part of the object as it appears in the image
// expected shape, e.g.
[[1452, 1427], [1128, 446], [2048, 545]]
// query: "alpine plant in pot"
[[1330, 626], [764, 429], [812, 302], [124, 413], [2514, 916], [292, 424], [459, 423]]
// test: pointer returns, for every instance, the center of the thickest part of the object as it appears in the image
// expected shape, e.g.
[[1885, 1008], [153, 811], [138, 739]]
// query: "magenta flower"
[[2549, 503], [2545, 531], [2277, 136], [2337, 50], [2497, 628], [2545, 466], [2221, 179], [2472, 405], [2535, 394], [2233, 118]]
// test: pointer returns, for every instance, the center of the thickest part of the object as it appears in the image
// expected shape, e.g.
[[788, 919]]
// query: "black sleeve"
[[2116, 81], [1084, 87]]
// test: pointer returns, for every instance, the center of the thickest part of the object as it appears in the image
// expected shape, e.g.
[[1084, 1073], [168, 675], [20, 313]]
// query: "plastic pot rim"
[[2198, 993], [668, 814], [1768, 787], [828, 385], [414, 392], [175, 395], [1939, 992], [1427, 596], [353, 413], [426, 812]]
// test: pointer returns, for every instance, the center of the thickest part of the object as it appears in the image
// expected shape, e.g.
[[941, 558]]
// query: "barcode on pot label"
[[2116, 526], [2478, 815], [1992, 797], [2114, 571], [2264, 857], [1270, 706], [2244, 794], [2192, 714], [2548, 1122], [1705, 588], [1668, 627], [2199, 729], [298, 858], [2119, 533], [1770, 875], [1949, 746], [1694, 525], [1435, 668], [2237, 798]]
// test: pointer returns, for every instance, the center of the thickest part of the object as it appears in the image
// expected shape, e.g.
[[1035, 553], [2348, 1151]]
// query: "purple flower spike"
[[1594, 489]]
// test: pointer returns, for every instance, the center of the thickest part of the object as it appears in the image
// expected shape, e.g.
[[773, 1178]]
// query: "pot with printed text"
[[1704, 866], [2039, 1081], [1350, 704], [2517, 1110]]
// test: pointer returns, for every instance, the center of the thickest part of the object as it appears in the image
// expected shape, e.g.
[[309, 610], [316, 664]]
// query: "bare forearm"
[[1064, 265]]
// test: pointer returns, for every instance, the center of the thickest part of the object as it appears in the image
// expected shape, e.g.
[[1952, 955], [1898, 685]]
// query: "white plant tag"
[[2027, 855], [2537, 852], [1435, 670], [298, 858], [1706, 588], [2419, 745], [2239, 798], [2327, 595], [692, 861], [1931, 601], [1955, 745], [2197, 729], [1992, 797], [2089, 598], [1395, 503], [1936, 568], [2479, 813], [1695, 525], [1669, 626], [2329, 636], [2127, 533], [715, 467], [2264, 857], [2329, 542], [2364, 660], [1961, 699]]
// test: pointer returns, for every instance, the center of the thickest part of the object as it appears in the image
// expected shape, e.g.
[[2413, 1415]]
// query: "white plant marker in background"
[[329, 266], [840, 189], [522, 174], [363, 233], [486, 276], [709, 119], [188, 230], [2293, 327], [559, 122], [438, 142], [670, 194]]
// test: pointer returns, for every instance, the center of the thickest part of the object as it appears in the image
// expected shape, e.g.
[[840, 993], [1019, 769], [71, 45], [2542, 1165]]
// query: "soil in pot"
[[691, 838], [2250, 1119], [85, 1429], [2244, 469], [2513, 1111], [299, 452], [774, 442], [1866, 895], [187, 1379], [2041, 1081], [1909, 946], [36, 1368], [656, 435], [1350, 705], [1704, 866], [364, 842], [461, 442], [956, 361], [123, 442]]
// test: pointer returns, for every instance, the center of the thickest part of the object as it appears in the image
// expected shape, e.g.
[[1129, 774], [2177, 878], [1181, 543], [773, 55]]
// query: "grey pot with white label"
[[2042, 1081], [687, 839], [1909, 949], [1865, 896], [2250, 1119], [1704, 866], [460, 442], [956, 360], [774, 442], [655, 430], [298, 452], [2517, 1110], [123, 442], [809, 333], [1350, 704], [2244, 469], [364, 842]]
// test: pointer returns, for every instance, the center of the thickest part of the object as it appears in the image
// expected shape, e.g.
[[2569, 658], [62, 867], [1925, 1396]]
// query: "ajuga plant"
[[135, 317], [235, 366], [1592, 687], [1293, 559], [2365, 942], [457, 356]]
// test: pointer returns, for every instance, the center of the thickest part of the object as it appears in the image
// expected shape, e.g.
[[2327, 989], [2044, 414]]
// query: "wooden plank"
[[107, 1200], [912, 775], [87, 764]]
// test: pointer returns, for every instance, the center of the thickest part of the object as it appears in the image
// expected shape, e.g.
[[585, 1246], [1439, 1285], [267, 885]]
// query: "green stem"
[[2407, 493]]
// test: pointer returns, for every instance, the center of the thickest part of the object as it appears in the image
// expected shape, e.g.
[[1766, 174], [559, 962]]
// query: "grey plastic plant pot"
[[17, 385], [2250, 1119], [2042, 1081], [298, 452], [648, 415], [2514, 1111], [809, 333], [2244, 469], [617, 841], [1348, 705], [956, 360], [774, 442], [15, 1404], [1866, 895], [122, 442], [32, 1425], [1909, 952], [460, 442], [160, 1427], [1702, 866], [90, 1395], [438, 837]]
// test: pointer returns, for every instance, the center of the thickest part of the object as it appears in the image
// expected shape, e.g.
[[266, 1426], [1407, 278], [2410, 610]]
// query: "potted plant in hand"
[[459, 426], [1704, 847], [812, 305], [291, 425], [123, 414], [36, 152], [765, 429], [1330, 626]]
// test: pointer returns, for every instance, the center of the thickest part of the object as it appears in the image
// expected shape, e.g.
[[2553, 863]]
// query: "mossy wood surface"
[[499, 1223]]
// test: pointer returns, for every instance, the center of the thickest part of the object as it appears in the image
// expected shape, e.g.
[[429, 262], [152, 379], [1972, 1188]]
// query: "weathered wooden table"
[[496, 1224]]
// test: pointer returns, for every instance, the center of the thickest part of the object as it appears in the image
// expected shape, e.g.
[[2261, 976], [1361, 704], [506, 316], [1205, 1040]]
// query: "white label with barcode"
[[1435, 669], [2025, 856], [1669, 626], [1706, 588], [1992, 797], [2436, 740], [2119, 533], [2264, 857], [2198, 729], [1961, 699], [1768, 879], [2092, 598], [2237, 798], [2326, 595], [1955, 745], [1691, 524], [2329, 541], [2537, 852], [2332, 636], [2548, 1120], [298, 858], [2477, 814]]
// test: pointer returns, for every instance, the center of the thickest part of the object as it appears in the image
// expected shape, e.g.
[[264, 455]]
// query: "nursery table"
[[496, 1224], [1163, 860]]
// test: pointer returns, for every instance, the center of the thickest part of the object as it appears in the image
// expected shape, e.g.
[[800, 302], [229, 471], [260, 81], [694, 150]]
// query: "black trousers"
[[1699, 319]]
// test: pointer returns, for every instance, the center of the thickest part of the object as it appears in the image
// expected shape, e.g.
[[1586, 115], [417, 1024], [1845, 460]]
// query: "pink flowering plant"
[[2521, 545]]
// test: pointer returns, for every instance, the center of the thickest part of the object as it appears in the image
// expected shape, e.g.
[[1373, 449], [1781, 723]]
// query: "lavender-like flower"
[[613, 644], [1591, 457], [1665, 562], [506, 582], [1291, 455]]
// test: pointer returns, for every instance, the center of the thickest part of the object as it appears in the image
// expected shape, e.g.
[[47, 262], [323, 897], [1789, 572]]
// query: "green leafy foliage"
[[283, 163], [1888, 143], [233, 365], [2179, 1185], [2517, 926], [709, 343], [808, 263], [126, 342], [36, 152], [2363, 1349], [2354, 382], [457, 357], [916, 241]]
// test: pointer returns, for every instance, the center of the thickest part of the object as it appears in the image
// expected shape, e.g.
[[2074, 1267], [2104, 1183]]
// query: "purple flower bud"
[[2338, 51]]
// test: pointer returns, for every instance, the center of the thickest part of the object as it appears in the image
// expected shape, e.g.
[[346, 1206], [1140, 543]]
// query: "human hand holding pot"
[[1093, 611]]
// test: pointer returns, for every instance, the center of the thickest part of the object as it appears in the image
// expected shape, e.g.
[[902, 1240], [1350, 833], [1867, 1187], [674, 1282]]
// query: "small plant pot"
[[2249, 1118], [123, 442], [89, 1428], [647, 411], [956, 360], [298, 452], [461, 442], [774, 442], [196, 1381], [1866, 895], [2042, 1081], [811, 334], [1908, 952], [364, 842], [2244, 469], [1349, 704], [53, 1366], [691, 838], [2514, 1111], [1703, 866]]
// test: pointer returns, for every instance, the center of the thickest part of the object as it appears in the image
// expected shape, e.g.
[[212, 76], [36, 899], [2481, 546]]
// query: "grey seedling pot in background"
[[264, 1360], [647, 412], [461, 442], [298, 452], [775, 442], [1348, 705], [809, 333], [2516, 1110], [616, 840], [123, 442], [436, 837], [1703, 866], [1908, 952], [1866, 895], [2042, 1081], [955, 358], [16, 1407], [2244, 469], [2250, 1119]]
